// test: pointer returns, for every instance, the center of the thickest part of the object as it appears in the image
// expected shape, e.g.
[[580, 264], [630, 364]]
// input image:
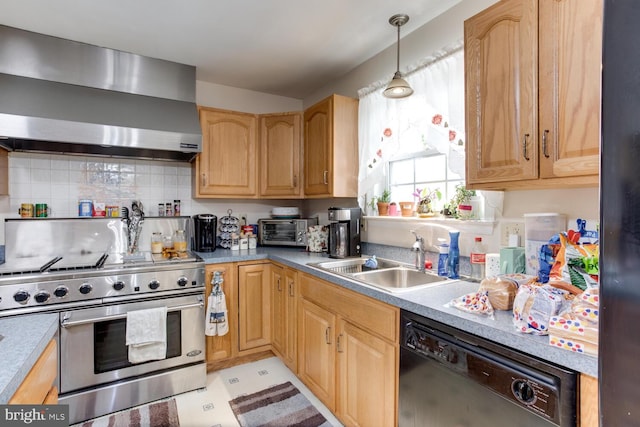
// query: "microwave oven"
[[284, 232]]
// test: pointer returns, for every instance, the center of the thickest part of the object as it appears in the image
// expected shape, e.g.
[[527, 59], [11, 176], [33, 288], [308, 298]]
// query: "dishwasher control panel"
[[529, 388]]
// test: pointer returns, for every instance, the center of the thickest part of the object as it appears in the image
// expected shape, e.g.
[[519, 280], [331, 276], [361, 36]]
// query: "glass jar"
[[180, 241], [156, 243], [167, 242]]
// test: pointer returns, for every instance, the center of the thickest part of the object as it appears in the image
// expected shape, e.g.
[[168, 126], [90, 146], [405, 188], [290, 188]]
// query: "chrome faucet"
[[418, 248]]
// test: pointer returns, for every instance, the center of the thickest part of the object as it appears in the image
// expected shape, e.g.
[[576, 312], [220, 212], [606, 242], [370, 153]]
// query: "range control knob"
[[119, 285], [523, 391], [182, 281], [154, 284], [42, 296], [85, 288], [21, 296], [61, 291]]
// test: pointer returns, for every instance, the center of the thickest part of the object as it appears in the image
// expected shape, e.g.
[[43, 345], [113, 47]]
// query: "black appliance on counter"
[[205, 232], [344, 232]]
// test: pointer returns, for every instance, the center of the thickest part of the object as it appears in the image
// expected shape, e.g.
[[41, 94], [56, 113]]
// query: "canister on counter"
[[26, 210]]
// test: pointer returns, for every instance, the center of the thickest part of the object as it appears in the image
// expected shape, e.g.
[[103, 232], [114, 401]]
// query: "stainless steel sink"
[[391, 276], [399, 278]]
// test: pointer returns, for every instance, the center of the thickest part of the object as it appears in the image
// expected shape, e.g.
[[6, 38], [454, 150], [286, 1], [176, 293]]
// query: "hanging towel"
[[216, 318], [146, 334]]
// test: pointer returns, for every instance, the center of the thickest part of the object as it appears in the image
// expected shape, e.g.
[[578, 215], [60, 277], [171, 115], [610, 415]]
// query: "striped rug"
[[277, 406], [159, 414]]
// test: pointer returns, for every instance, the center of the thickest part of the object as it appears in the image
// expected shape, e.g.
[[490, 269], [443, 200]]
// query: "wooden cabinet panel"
[[224, 347], [280, 147], [532, 72], [331, 148], [589, 402], [291, 307], [317, 360], [254, 302], [39, 382], [283, 316], [570, 73], [501, 82], [227, 165], [367, 370]]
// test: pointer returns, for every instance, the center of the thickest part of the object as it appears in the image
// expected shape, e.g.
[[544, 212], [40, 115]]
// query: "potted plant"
[[461, 201], [382, 202], [425, 198]]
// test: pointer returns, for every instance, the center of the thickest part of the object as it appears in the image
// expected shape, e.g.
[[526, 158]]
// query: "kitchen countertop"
[[430, 302], [24, 339]]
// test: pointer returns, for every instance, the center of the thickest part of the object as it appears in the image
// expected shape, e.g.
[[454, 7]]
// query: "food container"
[[538, 229], [156, 243], [180, 241], [26, 210], [85, 208]]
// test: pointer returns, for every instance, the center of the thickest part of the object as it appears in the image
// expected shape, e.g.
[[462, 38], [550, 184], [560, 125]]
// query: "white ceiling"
[[282, 47]]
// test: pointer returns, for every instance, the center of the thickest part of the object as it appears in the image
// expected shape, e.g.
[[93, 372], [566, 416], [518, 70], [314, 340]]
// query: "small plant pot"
[[393, 209], [383, 209], [465, 211], [407, 208]]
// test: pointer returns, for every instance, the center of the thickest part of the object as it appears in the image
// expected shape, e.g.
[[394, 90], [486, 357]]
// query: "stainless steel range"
[[83, 270]]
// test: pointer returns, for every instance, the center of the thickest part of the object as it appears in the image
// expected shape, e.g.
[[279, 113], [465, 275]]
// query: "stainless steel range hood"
[[62, 96]]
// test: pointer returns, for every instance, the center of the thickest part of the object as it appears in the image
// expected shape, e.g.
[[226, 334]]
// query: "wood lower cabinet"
[[348, 352], [39, 386], [284, 302], [224, 347], [254, 307], [532, 73], [589, 402]]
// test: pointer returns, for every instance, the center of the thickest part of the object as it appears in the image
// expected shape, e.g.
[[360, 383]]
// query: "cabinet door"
[[501, 92], [316, 351], [367, 371], [224, 347], [278, 310], [280, 139], [291, 307], [227, 165], [570, 72], [318, 148], [254, 305]]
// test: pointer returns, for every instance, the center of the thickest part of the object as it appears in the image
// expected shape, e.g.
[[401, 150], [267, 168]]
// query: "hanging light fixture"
[[398, 87]]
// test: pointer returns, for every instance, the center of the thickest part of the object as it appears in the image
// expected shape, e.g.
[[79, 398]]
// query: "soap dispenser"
[[453, 261]]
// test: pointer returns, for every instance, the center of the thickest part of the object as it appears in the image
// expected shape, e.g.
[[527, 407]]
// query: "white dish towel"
[[146, 334], [216, 317]]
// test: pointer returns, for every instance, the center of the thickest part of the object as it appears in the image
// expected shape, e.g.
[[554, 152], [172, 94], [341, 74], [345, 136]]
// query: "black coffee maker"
[[205, 232], [344, 232]]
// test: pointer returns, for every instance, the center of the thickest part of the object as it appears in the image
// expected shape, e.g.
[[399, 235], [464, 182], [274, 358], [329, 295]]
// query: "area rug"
[[277, 406], [159, 414]]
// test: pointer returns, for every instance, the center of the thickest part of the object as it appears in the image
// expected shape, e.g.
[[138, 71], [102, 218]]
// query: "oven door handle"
[[66, 323]]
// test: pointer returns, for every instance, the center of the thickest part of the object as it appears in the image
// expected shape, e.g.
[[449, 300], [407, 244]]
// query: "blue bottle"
[[453, 262], [443, 248]]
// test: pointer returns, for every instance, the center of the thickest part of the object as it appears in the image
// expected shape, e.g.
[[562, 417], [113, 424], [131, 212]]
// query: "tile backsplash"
[[62, 180]]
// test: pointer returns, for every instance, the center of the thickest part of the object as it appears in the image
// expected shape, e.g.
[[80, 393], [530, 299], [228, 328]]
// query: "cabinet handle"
[[340, 350], [325, 177], [291, 294], [279, 287], [204, 180], [524, 146], [295, 181], [327, 335], [544, 143]]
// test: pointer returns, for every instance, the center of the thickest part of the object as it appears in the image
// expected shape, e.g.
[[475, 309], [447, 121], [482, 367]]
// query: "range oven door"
[[93, 349]]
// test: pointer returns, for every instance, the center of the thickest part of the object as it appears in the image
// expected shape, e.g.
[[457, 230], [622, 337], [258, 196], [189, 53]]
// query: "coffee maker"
[[344, 232], [204, 232]]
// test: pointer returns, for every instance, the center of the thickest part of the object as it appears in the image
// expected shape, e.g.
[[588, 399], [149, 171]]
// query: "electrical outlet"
[[509, 228], [243, 219]]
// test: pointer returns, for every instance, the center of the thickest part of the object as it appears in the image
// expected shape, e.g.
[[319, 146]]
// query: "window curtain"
[[432, 118]]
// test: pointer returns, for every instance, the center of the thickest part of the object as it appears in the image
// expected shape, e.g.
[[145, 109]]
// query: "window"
[[415, 142]]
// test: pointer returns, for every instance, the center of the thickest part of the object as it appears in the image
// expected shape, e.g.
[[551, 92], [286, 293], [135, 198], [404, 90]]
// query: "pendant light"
[[398, 87]]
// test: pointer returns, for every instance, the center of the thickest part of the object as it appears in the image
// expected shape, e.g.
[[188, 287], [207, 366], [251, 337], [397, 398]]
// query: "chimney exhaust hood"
[[62, 96]]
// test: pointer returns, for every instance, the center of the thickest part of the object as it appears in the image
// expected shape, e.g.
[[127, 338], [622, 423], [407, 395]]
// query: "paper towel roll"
[[492, 264]]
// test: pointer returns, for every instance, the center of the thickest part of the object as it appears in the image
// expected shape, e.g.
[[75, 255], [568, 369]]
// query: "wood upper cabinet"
[[331, 148], [224, 347], [254, 305], [39, 386], [532, 72], [227, 166], [284, 314], [280, 155]]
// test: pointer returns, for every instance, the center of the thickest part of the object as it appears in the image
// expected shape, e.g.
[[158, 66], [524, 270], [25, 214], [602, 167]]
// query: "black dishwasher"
[[449, 378]]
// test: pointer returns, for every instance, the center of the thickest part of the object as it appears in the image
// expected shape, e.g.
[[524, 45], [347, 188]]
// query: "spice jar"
[[156, 243], [180, 241]]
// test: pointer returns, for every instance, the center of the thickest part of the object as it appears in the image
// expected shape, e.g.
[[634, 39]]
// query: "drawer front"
[[370, 314]]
